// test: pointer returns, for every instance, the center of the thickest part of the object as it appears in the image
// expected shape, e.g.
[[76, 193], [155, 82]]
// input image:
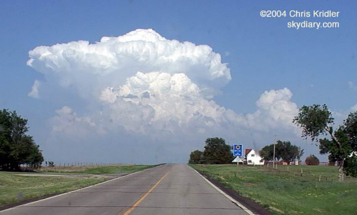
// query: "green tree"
[[267, 152], [283, 150], [16, 147], [316, 120], [288, 152], [196, 157], [350, 166], [217, 151]]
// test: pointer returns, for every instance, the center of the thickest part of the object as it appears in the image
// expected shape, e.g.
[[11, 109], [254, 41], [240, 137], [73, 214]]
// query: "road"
[[172, 189]]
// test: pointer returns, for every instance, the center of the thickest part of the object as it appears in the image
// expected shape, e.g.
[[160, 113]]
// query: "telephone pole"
[[274, 152]]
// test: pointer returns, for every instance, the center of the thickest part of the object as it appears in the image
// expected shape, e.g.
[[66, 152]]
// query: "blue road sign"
[[238, 150]]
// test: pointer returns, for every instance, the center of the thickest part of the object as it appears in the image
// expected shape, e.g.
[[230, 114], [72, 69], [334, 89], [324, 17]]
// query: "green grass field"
[[284, 191], [98, 170], [14, 187]]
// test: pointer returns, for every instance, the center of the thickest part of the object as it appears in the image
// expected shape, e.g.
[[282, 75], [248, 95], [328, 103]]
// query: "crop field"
[[18, 186], [290, 189]]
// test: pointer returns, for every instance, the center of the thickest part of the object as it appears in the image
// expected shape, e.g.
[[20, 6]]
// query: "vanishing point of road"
[[171, 189]]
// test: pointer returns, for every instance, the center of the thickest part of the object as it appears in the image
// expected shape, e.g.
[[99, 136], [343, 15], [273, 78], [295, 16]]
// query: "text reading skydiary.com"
[[316, 19]]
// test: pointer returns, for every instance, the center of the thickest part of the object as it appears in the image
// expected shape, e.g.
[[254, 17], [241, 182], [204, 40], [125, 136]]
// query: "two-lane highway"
[[173, 189]]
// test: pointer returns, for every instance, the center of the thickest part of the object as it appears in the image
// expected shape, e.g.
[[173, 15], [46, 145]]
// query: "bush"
[[312, 160]]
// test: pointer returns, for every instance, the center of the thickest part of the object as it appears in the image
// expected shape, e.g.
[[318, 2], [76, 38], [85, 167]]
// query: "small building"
[[253, 158]]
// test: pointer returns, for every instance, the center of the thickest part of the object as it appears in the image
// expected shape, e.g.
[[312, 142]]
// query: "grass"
[[14, 187], [323, 173], [98, 170], [286, 192]]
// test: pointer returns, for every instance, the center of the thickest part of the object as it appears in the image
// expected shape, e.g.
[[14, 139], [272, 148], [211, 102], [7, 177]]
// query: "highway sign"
[[237, 160], [238, 150]]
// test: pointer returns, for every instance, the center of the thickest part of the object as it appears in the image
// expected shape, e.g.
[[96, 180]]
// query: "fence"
[[81, 164], [323, 173]]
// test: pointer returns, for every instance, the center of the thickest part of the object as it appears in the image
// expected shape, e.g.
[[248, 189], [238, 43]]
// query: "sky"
[[149, 81]]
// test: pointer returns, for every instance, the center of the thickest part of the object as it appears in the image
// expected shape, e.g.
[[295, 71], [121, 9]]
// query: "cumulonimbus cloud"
[[91, 67], [143, 82]]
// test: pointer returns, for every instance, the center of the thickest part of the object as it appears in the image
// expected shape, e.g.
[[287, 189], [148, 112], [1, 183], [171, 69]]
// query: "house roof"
[[247, 151]]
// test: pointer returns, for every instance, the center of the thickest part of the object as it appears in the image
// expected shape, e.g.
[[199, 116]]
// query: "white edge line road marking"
[[226, 195], [73, 191]]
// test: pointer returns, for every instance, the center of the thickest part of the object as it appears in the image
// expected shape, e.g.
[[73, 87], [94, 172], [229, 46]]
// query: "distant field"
[[284, 191], [15, 187], [112, 169]]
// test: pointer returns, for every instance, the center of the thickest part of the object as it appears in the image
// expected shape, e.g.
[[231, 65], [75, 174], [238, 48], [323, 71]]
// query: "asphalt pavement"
[[171, 189]]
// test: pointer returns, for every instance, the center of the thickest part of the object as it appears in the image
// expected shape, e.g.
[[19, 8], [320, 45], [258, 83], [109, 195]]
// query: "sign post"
[[238, 152]]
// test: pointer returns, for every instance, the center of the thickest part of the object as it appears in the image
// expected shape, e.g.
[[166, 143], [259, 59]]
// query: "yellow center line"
[[144, 196]]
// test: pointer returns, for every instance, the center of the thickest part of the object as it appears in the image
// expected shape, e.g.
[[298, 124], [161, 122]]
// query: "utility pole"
[[132, 156], [274, 152]]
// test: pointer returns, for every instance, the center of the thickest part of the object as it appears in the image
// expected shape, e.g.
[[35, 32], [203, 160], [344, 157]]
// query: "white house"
[[253, 158]]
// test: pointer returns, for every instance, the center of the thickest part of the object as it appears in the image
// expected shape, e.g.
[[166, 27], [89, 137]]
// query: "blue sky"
[[316, 66]]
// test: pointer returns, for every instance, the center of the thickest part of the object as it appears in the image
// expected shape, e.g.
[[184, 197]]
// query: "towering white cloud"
[[275, 110], [163, 100], [89, 68], [144, 84]]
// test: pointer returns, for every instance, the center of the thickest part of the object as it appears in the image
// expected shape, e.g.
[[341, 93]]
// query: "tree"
[[350, 129], [196, 157], [267, 152], [288, 152], [312, 160], [316, 120], [350, 166], [217, 151], [283, 150], [16, 147]]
